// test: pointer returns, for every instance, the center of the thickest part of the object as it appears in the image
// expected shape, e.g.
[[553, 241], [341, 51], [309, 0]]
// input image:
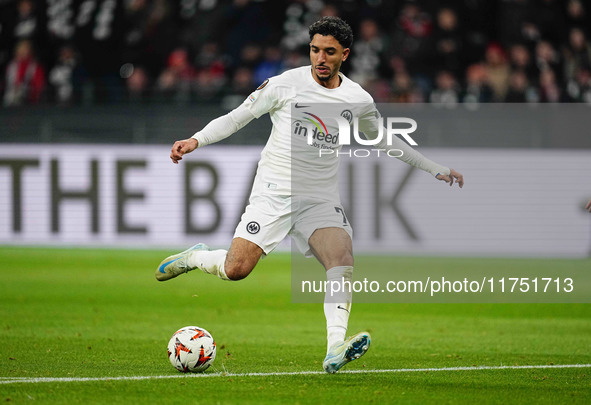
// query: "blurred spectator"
[[579, 87], [28, 24], [61, 20], [25, 77], [299, 14], [520, 60], [245, 23], [138, 84], [447, 91], [149, 34], [404, 91], [530, 33], [243, 82], [20, 20], [412, 37], [398, 65], [547, 58], [271, 65], [295, 59], [577, 16], [241, 86], [380, 90], [211, 72], [366, 59], [200, 21], [209, 57], [448, 42], [100, 28], [176, 81], [66, 76], [477, 89], [250, 55], [497, 71], [329, 10], [577, 54], [550, 92], [421, 85], [520, 90]]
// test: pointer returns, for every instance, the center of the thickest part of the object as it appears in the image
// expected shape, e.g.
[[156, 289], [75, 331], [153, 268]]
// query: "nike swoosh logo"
[[297, 105], [161, 268], [344, 309]]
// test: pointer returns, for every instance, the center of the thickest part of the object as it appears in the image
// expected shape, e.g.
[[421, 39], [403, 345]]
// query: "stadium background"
[[130, 77], [84, 165]]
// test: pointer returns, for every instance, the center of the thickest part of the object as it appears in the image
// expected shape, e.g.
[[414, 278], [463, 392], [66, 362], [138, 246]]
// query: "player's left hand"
[[588, 206], [453, 175], [181, 148]]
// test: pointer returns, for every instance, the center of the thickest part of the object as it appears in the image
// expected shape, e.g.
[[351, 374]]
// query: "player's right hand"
[[182, 147], [453, 175]]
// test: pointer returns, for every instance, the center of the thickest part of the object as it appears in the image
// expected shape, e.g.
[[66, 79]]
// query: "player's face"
[[326, 57]]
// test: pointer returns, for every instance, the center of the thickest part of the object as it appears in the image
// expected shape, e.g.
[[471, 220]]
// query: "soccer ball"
[[191, 349]]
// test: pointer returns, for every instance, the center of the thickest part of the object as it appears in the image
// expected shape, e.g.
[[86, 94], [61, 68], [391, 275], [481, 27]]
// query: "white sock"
[[337, 304], [209, 261]]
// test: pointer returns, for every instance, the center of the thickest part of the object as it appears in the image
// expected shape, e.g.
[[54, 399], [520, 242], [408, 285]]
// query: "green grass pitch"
[[100, 313]]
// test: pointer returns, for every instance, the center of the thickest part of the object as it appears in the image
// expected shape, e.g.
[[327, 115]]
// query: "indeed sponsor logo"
[[317, 132]]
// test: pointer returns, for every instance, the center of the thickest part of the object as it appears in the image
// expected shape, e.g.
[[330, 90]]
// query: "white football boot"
[[349, 350], [175, 265]]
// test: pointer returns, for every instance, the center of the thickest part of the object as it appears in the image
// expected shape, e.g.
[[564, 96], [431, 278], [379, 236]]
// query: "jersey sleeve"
[[369, 120], [224, 126], [269, 96]]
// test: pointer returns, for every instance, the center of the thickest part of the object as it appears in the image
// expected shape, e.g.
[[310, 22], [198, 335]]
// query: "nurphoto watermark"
[[328, 130]]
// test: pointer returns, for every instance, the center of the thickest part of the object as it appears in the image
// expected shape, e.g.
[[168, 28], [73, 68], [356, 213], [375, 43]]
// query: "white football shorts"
[[268, 219]]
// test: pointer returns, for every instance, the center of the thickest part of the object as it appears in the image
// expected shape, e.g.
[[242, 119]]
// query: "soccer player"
[[310, 212]]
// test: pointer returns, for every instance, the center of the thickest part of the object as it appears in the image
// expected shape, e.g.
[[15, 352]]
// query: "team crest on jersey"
[[348, 115], [263, 84], [253, 227]]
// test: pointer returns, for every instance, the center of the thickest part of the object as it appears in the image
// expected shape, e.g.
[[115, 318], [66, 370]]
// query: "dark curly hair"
[[334, 26]]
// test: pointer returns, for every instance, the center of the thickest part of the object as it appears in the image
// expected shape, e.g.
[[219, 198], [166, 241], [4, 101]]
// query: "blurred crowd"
[[68, 52]]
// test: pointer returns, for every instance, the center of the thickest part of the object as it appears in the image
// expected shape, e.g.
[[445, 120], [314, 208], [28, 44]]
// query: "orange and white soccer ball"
[[191, 349]]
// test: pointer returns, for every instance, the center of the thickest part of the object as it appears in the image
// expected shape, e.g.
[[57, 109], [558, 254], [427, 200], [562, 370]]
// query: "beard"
[[326, 78]]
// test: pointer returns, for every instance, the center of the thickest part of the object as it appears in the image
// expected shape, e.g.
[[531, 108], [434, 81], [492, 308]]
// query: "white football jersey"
[[301, 155], [291, 162]]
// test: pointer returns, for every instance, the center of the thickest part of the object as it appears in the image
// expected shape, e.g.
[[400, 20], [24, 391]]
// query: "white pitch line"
[[28, 380]]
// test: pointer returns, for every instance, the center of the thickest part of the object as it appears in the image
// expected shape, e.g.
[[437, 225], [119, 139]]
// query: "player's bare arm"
[[183, 147], [453, 176], [588, 206]]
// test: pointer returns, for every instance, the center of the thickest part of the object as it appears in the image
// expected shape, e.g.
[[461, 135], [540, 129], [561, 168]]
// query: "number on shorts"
[[342, 212]]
